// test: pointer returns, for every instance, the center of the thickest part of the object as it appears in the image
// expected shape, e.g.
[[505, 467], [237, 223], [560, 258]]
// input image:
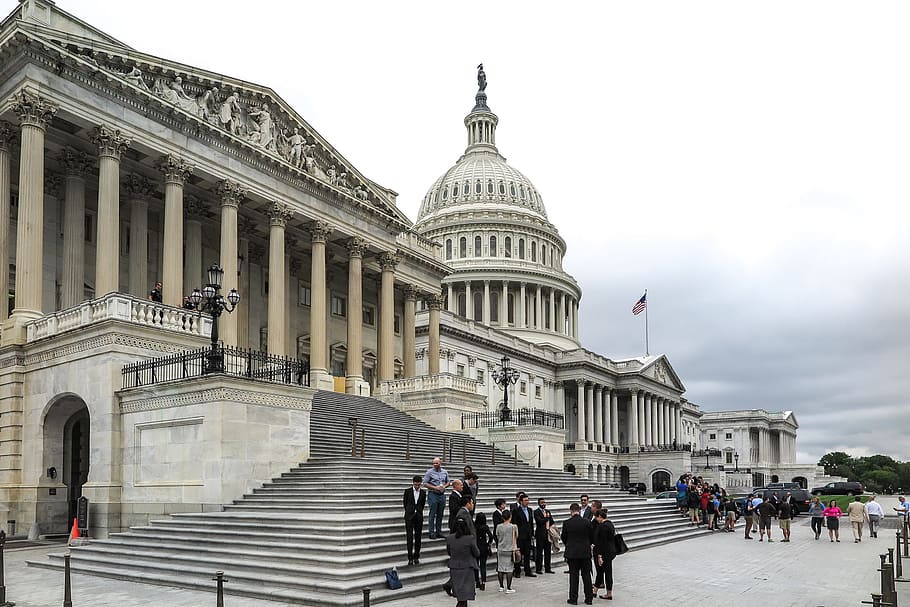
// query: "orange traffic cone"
[[74, 534]]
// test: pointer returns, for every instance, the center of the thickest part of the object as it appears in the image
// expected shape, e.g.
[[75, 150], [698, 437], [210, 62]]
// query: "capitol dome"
[[505, 254]]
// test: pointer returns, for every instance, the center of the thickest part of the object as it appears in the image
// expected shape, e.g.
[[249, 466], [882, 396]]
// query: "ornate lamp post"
[[504, 377], [707, 464], [211, 301], [736, 459]]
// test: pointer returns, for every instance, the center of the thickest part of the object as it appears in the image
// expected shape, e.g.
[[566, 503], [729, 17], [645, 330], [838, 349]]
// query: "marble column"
[[453, 304], [598, 414], [523, 308], [589, 413], [468, 301], [231, 194], [278, 219], [504, 305], [614, 418], [35, 113], [139, 191], [580, 405], [575, 319], [538, 308], [634, 420], [486, 302], [408, 336], [193, 276], [552, 314], [646, 399], [571, 317], [655, 422], [387, 263], [561, 314], [175, 171], [608, 437], [7, 136], [319, 371], [434, 303], [676, 423], [111, 144], [72, 288], [354, 365], [560, 406], [642, 422]]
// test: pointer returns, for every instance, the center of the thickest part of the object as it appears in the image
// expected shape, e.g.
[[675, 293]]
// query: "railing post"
[[464, 451], [363, 440], [352, 421], [219, 580], [407, 446], [899, 566], [539, 449], [515, 450], [906, 533], [67, 590], [493, 455], [3, 601], [885, 582], [444, 442], [366, 597]]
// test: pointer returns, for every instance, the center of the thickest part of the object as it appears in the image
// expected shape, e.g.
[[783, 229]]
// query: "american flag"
[[640, 305]]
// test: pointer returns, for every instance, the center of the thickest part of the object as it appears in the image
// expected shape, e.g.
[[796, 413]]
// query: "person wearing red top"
[[832, 517], [703, 506]]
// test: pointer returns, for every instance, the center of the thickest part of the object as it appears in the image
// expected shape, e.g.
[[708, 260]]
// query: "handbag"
[[391, 579], [619, 544], [516, 553]]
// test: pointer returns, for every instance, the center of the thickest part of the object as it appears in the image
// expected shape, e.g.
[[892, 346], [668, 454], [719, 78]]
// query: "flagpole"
[[647, 344]]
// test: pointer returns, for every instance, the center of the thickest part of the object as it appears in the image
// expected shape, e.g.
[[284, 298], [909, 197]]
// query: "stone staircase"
[[321, 532]]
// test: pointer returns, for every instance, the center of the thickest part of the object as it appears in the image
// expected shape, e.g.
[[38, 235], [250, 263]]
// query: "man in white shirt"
[[876, 514]]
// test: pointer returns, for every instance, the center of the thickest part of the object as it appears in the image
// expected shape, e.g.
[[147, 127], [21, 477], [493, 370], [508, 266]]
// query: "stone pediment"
[[247, 113], [660, 370]]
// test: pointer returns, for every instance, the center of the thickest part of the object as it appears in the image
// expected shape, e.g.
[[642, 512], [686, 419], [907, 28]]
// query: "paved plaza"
[[720, 568]]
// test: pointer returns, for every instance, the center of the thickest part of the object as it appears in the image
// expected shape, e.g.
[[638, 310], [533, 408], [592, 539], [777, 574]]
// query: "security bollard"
[[875, 602], [219, 579], [67, 590], [888, 594], [366, 597], [3, 601], [898, 564]]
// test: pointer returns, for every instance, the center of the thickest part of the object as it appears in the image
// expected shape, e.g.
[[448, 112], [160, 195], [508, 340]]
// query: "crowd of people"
[[521, 535]]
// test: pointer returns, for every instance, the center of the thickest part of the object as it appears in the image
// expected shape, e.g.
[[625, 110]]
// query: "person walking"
[[436, 480], [832, 520], [577, 537], [463, 554], [876, 514], [817, 516], [766, 511], [749, 516], [856, 512], [784, 517], [604, 553], [414, 500], [506, 545]]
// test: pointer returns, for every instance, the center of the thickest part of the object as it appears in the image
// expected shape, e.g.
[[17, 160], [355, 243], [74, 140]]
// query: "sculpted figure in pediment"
[[208, 107], [262, 128], [361, 193], [134, 77], [294, 145], [229, 115], [173, 92], [342, 182], [332, 175]]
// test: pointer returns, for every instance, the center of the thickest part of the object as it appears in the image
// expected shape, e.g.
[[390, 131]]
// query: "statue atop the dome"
[[480, 98], [481, 78]]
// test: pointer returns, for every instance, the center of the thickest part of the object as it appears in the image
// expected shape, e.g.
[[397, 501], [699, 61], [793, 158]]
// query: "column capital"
[[75, 163], [388, 261], [33, 109], [194, 208], [355, 246], [175, 169], [434, 301], [634, 392], [320, 230], [279, 213], [7, 135], [138, 187], [111, 142], [486, 283], [231, 193], [580, 381], [410, 293]]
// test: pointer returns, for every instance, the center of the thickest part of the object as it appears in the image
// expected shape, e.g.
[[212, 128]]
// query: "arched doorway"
[[624, 476], [600, 473], [660, 481], [775, 478], [591, 472], [67, 428], [802, 481]]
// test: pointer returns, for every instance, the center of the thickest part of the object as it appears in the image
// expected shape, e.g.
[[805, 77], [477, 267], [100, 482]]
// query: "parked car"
[[637, 488], [839, 488], [783, 486], [800, 496], [663, 496]]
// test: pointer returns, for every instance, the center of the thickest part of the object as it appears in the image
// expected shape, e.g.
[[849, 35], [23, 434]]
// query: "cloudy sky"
[[745, 162]]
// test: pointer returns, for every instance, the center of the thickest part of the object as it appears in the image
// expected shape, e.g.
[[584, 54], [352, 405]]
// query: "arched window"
[[463, 247], [507, 247], [521, 248], [449, 248], [543, 254], [534, 251], [493, 246], [510, 303], [502, 188], [445, 193], [512, 189], [494, 306], [490, 187], [478, 305], [455, 190], [462, 310], [467, 188], [522, 192], [478, 188], [478, 246]]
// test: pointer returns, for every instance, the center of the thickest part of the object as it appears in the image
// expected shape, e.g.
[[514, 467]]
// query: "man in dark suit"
[[523, 519], [577, 537], [542, 522], [500, 505], [414, 499], [455, 499], [585, 510], [466, 513]]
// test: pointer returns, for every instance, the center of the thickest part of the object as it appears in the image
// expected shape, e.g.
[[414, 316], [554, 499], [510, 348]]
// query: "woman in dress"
[[604, 553], [817, 512], [461, 547], [832, 516], [506, 544]]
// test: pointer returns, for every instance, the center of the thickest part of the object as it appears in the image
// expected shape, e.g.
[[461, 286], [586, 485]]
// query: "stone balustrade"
[[428, 382], [125, 308]]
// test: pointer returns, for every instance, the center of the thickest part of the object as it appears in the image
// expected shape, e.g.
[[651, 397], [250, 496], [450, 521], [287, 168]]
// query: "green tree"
[[838, 463], [880, 480]]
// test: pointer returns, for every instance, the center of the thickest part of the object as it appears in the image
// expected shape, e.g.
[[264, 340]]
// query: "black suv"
[[848, 488], [801, 497]]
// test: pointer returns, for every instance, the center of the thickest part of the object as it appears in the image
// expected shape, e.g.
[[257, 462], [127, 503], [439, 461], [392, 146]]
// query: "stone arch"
[[600, 473], [590, 471], [624, 476], [803, 482], [66, 430], [660, 480], [607, 477], [775, 478]]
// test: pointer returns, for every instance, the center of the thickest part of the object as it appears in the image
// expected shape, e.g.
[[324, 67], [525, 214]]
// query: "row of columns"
[[36, 112], [598, 413], [653, 420], [561, 308]]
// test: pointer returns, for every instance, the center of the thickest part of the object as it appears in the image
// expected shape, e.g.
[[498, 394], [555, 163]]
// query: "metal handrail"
[[517, 417]]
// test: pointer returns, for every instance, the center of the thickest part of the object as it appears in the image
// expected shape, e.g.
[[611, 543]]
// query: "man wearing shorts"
[[784, 516], [749, 516], [766, 511]]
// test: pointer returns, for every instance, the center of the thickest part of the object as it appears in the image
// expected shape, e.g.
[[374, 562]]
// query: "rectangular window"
[[729, 456], [480, 376], [523, 388], [339, 306], [304, 295], [89, 227], [369, 316], [460, 370], [537, 391], [397, 324], [728, 436], [712, 436]]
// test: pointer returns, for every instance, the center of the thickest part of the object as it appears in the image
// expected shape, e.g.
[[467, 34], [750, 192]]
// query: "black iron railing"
[[517, 417], [238, 362]]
